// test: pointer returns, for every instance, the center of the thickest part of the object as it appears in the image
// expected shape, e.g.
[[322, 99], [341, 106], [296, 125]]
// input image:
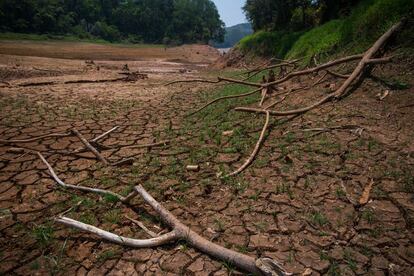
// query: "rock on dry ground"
[[294, 204]]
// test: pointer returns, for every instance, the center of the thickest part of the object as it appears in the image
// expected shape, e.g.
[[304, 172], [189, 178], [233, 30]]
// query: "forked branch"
[[34, 139], [261, 266], [367, 59]]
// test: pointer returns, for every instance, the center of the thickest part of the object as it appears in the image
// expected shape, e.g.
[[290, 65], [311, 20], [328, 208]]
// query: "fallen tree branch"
[[275, 103], [95, 141], [242, 82], [108, 236], [29, 140], [150, 145], [90, 147], [261, 266], [255, 151], [298, 73], [190, 81], [98, 155], [224, 98], [83, 188], [366, 59], [103, 135], [143, 227], [338, 75], [260, 70], [317, 68], [289, 112]]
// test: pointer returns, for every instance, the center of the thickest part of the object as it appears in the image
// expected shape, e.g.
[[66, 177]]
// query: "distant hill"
[[234, 34]]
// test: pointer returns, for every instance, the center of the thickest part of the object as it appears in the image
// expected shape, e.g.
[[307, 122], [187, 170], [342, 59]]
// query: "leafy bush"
[[265, 43]]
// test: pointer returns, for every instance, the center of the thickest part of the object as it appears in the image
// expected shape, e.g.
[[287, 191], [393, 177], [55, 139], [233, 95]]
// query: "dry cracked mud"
[[297, 203]]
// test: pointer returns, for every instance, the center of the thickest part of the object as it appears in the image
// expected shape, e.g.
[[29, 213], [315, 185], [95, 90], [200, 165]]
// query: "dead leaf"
[[228, 133]]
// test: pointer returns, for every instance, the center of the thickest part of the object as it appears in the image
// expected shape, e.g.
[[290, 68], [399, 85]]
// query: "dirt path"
[[295, 204]]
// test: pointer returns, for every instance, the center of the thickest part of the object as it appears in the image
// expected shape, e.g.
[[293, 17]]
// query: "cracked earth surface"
[[297, 203]]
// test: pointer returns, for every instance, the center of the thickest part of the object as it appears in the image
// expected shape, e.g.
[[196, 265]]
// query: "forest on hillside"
[[150, 21], [294, 14], [297, 28]]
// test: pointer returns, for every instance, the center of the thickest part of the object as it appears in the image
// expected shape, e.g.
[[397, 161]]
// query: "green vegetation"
[[265, 43], [150, 21], [323, 27], [107, 255], [43, 234], [319, 218], [318, 40], [113, 216]]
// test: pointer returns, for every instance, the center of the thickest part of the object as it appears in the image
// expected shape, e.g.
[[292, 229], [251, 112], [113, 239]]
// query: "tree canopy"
[[151, 21], [294, 14]]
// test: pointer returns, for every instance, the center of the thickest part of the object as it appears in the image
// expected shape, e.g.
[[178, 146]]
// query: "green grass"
[[43, 234], [321, 39], [113, 216], [319, 218], [264, 43], [71, 38], [107, 255]]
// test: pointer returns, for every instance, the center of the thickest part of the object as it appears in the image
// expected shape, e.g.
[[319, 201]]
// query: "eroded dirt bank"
[[295, 204]]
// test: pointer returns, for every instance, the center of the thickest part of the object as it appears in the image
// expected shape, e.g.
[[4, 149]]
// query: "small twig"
[[335, 74], [103, 135], [264, 94], [71, 208], [192, 80], [142, 226], [82, 188], [275, 103], [35, 138], [255, 151], [150, 145]]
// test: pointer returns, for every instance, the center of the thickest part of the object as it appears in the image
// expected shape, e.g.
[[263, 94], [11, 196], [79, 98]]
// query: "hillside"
[[234, 34], [350, 33]]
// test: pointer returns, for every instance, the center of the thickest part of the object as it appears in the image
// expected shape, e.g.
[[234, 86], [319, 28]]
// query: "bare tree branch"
[[261, 266], [90, 147], [256, 148], [53, 135]]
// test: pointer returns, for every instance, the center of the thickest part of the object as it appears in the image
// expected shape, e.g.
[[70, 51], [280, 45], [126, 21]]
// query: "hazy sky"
[[231, 11]]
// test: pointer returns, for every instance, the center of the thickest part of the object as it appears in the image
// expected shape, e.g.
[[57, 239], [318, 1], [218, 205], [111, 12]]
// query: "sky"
[[231, 11]]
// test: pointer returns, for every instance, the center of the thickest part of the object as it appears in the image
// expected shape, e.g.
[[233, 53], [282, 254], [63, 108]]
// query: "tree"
[[151, 21]]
